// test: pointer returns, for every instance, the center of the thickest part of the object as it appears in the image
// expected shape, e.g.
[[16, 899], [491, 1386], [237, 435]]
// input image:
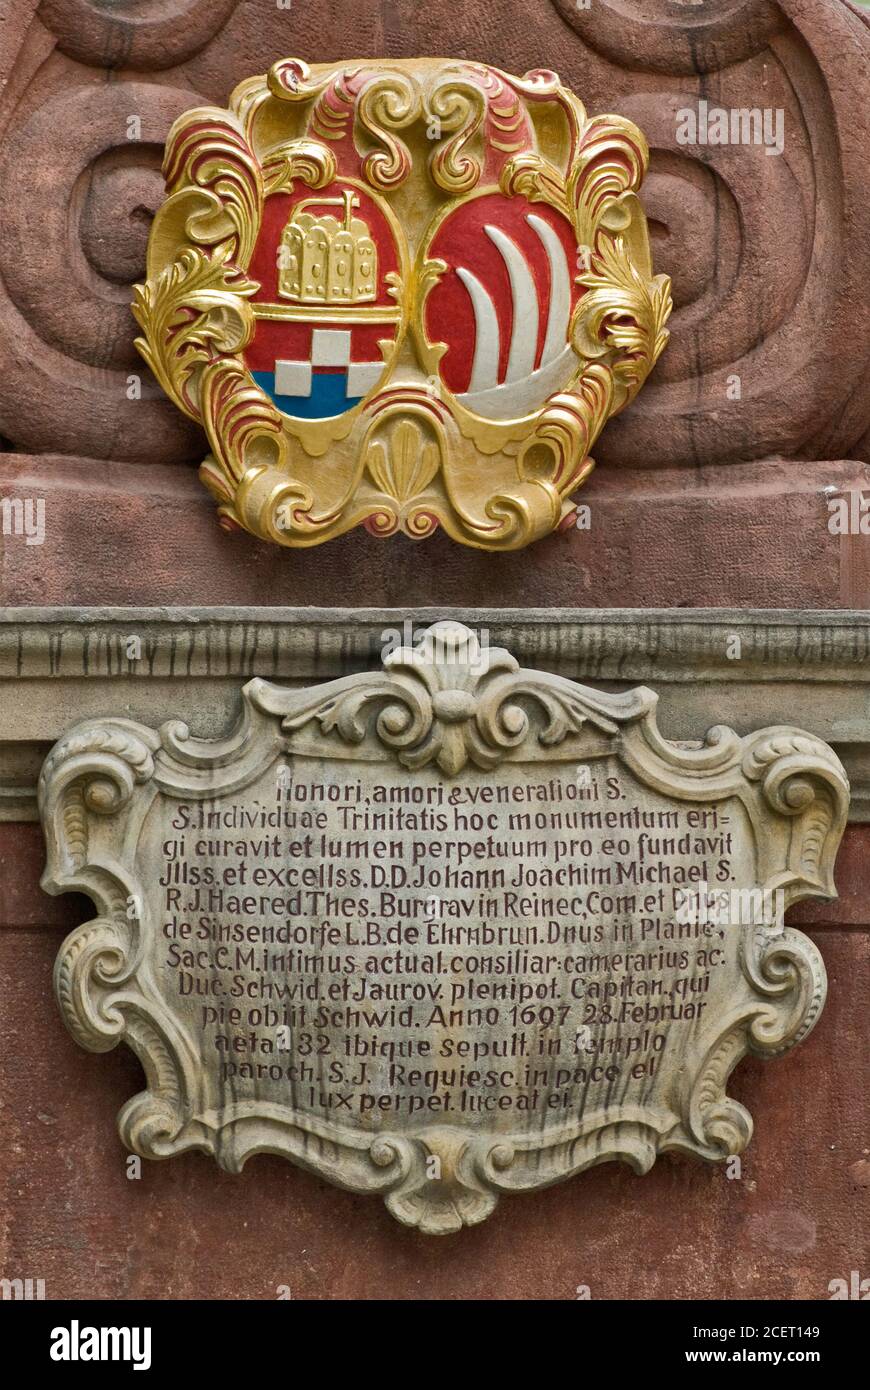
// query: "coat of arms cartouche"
[[403, 295]]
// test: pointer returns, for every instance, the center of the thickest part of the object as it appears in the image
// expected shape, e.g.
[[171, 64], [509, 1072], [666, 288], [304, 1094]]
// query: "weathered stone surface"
[[682, 1231], [441, 931], [745, 668], [684, 538]]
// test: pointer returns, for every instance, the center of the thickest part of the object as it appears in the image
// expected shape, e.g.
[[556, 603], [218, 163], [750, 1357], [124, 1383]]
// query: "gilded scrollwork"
[[455, 111], [371, 315], [197, 311]]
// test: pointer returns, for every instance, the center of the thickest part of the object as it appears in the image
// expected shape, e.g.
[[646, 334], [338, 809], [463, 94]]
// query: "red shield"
[[324, 261], [504, 305]]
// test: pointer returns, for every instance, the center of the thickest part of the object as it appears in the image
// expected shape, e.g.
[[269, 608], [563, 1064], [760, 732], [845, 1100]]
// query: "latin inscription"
[[441, 930], [509, 944]]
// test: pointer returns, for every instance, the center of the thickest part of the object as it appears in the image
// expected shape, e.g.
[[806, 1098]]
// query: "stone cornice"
[[746, 668]]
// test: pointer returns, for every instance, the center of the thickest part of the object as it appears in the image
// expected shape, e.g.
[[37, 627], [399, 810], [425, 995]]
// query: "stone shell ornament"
[[402, 295]]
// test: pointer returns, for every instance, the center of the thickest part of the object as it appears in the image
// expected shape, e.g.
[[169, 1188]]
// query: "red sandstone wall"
[[785, 1229], [698, 497]]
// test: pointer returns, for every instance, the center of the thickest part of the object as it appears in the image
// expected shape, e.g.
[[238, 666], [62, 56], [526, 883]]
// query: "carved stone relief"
[[441, 931]]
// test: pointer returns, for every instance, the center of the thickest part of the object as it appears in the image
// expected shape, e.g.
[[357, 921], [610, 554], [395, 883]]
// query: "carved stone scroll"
[[443, 930]]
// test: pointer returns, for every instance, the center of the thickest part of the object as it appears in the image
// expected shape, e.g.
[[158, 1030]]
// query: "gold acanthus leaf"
[[194, 310]]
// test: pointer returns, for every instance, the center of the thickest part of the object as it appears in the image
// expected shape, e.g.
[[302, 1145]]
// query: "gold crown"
[[324, 261]]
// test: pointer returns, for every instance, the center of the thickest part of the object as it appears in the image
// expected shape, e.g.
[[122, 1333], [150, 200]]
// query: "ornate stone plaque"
[[401, 294], [440, 931]]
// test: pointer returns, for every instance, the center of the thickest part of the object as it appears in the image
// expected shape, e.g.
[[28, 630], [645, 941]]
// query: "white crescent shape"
[[524, 338], [484, 368], [560, 289]]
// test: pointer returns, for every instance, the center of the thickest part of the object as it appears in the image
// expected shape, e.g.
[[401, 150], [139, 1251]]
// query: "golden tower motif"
[[324, 261]]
